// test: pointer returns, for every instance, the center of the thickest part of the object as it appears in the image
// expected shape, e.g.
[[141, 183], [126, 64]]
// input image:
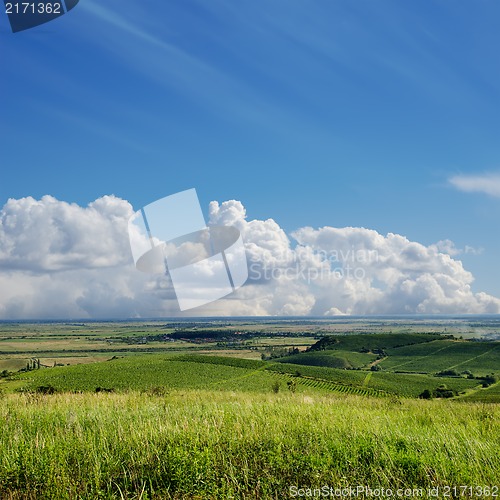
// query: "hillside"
[[404, 363]]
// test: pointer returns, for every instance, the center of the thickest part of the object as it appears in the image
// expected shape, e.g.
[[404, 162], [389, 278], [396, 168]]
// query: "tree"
[[427, 394]]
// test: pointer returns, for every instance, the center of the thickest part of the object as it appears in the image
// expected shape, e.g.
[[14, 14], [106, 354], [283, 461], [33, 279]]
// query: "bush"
[[427, 394], [441, 392], [448, 373], [45, 389], [489, 380]]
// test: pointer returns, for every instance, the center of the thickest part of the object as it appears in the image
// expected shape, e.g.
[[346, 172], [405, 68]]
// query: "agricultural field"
[[486, 395], [404, 364], [246, 409], [478, 357], [396, 359], [332, 359]]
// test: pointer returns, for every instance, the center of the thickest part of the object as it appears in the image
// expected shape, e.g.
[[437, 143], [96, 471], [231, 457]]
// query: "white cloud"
[[487, 183], [60, 260], [449, 247], [49, 235]]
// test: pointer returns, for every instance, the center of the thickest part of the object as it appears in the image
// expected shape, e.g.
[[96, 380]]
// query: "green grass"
[[213, 445], [210, 427]]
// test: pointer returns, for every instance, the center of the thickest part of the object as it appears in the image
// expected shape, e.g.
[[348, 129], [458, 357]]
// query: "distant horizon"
[[184, 319]]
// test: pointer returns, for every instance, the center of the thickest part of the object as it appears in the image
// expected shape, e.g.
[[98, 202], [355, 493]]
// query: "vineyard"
[[328, 386]]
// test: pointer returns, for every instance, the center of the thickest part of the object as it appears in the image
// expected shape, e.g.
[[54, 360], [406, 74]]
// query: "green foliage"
[[489, 380], [448, 373], [208, 444], [440, 392], [427, 394], [272, 352]]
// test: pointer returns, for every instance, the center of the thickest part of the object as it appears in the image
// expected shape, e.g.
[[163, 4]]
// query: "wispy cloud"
[[150, 48], [487, 183]]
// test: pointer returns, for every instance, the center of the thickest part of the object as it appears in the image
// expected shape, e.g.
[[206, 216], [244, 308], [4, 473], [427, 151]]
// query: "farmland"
[[245, 408], [369, 356]]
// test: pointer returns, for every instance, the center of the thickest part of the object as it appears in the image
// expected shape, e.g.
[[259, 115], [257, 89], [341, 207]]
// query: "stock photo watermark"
[[313, 266], [365, 491], [206, 263], [27, 15]]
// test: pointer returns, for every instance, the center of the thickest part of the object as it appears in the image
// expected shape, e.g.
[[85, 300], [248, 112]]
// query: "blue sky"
[[313, 113]]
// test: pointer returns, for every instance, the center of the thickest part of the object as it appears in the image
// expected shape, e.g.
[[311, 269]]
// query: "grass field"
[[218, 445], [189, 410]]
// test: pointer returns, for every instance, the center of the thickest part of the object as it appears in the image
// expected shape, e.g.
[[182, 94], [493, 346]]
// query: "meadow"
[[155, 410], [224, 444]]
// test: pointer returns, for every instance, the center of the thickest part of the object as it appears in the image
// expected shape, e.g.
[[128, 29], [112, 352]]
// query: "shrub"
[[448, 373], [489, 380], [46, 389], [427, 394]]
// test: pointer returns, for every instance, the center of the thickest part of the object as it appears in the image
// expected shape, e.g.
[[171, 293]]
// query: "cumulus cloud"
[[49, 235], [449, 247], [60, 260], [487, 183], [332, 271]]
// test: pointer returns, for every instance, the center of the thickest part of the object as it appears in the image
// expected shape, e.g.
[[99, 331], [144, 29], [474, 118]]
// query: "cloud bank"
[[60, 260]]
